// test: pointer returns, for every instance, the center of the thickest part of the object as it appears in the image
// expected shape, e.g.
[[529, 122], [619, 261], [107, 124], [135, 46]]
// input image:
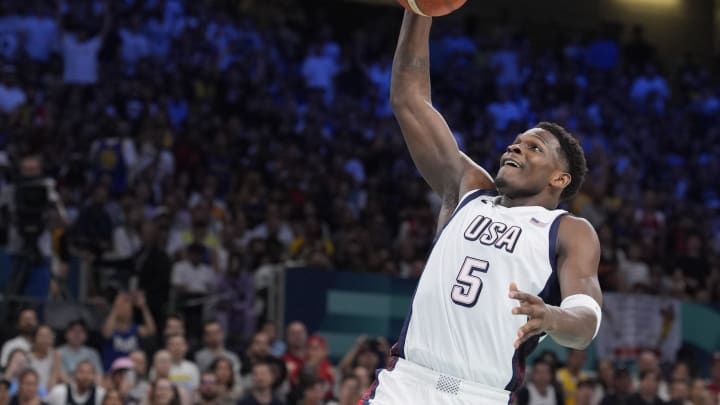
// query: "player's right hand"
[[535, 309]]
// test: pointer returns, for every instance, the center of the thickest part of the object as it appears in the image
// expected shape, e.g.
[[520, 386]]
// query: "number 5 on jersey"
[[468, 284]]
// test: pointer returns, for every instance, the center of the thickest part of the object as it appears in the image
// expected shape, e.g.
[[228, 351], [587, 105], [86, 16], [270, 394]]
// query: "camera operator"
[[26, 206]]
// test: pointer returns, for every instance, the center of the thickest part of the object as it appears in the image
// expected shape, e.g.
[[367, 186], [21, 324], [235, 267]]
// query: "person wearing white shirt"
[[27, 323], [80, 52], [82, 389], [183, 373], [540, 389], [75, 351], [191, 276]]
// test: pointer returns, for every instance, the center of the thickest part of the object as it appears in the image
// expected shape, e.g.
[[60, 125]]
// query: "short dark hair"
[[77, 322], [573, 154]]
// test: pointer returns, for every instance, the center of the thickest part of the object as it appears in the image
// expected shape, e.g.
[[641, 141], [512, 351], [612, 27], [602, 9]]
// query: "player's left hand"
[[535, 309]]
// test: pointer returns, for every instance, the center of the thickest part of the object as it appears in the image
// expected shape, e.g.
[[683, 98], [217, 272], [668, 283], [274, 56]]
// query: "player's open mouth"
[[511, 163]]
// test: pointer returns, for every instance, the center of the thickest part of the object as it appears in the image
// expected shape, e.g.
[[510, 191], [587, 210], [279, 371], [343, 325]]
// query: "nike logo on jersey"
[[490, 233], [537, 222]]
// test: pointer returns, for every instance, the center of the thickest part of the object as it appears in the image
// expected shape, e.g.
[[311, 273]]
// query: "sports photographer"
[[26, 206]]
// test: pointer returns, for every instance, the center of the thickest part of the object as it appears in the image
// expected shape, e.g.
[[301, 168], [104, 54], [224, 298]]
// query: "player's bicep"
[[578, 258]]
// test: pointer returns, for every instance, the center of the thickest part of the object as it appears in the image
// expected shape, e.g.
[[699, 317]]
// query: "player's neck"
[[544, 201]]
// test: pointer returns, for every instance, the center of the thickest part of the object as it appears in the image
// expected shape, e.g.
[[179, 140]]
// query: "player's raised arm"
[[432, 146]]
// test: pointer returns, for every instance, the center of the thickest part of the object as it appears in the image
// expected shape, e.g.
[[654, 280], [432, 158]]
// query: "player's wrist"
[[552, 314]]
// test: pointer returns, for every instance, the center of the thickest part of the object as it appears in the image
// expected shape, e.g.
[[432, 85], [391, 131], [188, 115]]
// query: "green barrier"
[[341, 306]]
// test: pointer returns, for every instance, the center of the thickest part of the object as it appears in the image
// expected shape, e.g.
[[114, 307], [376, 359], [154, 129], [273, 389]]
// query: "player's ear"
[[561, 179]]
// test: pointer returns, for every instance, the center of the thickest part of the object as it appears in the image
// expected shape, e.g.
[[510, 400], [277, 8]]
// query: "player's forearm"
[[411, 65], [572, 327]]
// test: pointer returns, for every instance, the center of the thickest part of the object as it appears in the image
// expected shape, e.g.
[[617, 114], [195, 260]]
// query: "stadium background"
[[262, 130]]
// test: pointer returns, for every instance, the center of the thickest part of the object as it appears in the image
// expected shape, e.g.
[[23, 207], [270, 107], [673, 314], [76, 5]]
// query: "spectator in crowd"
[[18, 362], [122, 378], [174, 325], [112, 397], [363, 375], [26, 325], [294, 357], [154, 270], [122, 335], [679, 392], [350, 391], [647, 393], [44, 359], [318, 364], [648, 361], [365, 353], [713, 386], [141, 385], [570, 375], [541, 388], [193, 279], [259, 351], [82, 388], [277, 346], [80, 50], [162, 362], [605, 376], [699, 395], [164, 392], [214, 340], [229, 387], [585, 392], [622, 389], [74, 350], [28, 386], [183, 373], [261, 392], [311, 391], [208, 393]]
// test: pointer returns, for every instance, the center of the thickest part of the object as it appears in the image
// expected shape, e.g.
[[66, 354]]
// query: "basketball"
[[432, 8]]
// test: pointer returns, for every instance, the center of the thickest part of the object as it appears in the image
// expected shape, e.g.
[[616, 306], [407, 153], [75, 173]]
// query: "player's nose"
[[514, 148]]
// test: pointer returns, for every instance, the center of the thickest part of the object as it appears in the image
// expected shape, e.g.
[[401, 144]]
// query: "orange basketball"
[[432, 8]]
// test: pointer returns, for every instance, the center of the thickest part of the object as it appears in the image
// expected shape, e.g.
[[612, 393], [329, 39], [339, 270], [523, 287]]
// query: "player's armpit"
[[578, 259]]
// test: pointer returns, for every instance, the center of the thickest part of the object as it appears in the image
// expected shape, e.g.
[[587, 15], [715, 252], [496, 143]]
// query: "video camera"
[[31, 199]]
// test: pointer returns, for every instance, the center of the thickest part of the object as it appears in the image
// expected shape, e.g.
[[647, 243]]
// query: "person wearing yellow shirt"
[[570, 375]]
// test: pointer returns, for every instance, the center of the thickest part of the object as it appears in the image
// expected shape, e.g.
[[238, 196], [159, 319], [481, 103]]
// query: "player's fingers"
[[525, 297], [530, 329], [524, 309]]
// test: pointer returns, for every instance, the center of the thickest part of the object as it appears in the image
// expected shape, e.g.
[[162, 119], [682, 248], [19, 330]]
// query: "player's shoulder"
[[576, 230]]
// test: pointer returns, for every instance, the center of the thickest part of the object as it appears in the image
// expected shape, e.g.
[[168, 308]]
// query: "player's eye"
[[535, 148]]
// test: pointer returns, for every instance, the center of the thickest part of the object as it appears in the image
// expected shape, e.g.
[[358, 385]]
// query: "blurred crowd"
[[196, 147]]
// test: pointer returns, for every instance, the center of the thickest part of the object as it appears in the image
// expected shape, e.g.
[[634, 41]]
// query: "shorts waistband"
[[448, 384]]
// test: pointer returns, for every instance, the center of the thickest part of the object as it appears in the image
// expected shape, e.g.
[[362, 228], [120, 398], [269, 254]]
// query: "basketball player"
[[503, 270]]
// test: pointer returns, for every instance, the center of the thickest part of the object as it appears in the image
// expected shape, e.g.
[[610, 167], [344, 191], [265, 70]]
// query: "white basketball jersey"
[[460, 322]]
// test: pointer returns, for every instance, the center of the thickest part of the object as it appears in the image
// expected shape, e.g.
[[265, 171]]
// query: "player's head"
[[543, 159]]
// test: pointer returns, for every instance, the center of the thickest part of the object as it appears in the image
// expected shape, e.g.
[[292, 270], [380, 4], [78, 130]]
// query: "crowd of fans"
[[198, 146]]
